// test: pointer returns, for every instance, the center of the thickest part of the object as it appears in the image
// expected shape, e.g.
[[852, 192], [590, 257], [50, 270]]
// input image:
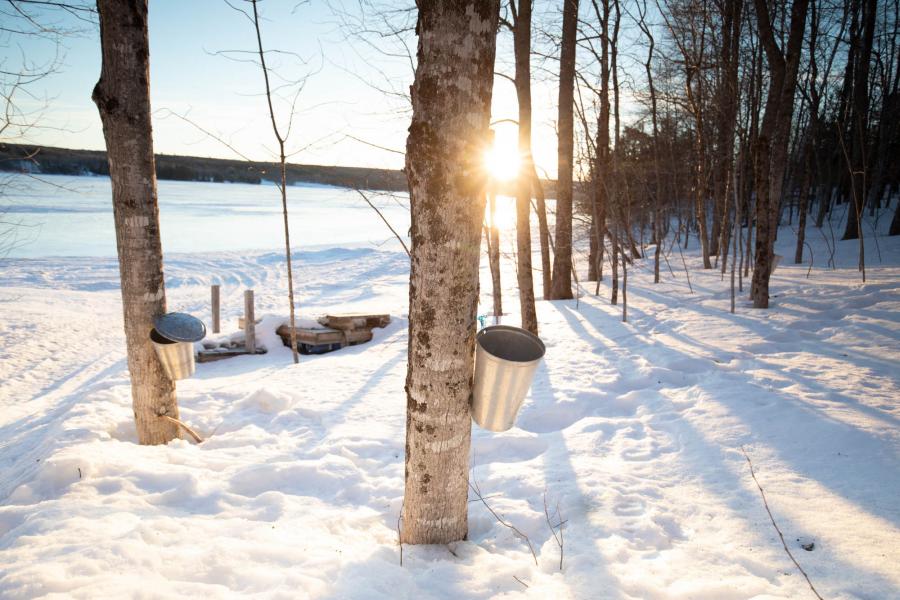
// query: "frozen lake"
[[72, 216]]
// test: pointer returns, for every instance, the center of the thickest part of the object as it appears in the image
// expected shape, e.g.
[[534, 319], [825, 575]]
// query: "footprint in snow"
[[629, 506]]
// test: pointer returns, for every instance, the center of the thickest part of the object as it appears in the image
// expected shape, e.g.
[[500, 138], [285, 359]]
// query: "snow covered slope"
[[632, 436]]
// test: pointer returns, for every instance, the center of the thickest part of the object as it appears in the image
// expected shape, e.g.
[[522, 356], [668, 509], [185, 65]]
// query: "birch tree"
[[122, 96], [451, 98]]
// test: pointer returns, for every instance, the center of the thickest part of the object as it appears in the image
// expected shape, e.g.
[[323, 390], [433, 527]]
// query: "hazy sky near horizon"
[[190, 76]]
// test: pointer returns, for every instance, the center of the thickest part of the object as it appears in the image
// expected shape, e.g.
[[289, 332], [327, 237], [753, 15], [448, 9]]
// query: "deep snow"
[[633, 430]]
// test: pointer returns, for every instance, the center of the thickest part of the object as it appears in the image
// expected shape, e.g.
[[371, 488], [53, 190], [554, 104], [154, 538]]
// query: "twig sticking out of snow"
[[775, 525], [474, 487], [190, 431], [520, 581], [399, 537], [556, 530]]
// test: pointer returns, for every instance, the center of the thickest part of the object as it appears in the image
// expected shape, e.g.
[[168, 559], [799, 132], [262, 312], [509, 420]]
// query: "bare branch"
[[775, 525]]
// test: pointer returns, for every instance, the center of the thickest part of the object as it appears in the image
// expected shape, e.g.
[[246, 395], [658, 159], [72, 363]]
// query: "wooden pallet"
[[317, 336], [214, 354], [339, 332], [347, 322]]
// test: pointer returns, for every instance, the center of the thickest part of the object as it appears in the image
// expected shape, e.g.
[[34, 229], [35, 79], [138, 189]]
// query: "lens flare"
[[502, 161]]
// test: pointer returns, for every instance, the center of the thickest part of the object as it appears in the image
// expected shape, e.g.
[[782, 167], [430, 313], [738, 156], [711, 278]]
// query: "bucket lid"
[[180, 327]]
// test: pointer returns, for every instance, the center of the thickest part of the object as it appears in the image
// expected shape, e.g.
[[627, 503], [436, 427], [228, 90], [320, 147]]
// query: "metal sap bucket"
[[505, 361], [776, 260], [173, 338], [177, 358]]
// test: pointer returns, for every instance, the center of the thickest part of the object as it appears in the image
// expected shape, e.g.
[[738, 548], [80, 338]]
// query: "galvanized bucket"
[[173, 337], [177, 358], [505, 361], [776, 260]]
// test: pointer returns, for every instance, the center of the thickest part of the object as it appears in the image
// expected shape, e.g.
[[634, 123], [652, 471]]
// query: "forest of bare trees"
[[707, 122], [693, 116]]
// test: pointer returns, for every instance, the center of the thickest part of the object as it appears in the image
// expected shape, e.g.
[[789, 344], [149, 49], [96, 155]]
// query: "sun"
[[502, 159]]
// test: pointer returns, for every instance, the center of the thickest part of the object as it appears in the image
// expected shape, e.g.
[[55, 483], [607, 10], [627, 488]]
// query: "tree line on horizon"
[[24, 158]]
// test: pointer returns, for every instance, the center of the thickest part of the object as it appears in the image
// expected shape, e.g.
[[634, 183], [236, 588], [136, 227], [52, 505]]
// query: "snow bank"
[[632, 436]]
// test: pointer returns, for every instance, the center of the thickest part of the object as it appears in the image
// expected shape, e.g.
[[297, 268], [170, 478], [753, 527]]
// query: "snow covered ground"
[[632, 432]]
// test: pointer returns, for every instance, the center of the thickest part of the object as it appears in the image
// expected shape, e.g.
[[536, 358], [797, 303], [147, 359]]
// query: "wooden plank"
[[316, 337], [249, 323], [356, 321], [311, 335], [359, 336], [205, 356], [215, 308]]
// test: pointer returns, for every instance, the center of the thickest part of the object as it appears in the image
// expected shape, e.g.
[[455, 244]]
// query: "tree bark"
[[122, 96], [451, 98], [522, 51], [561, 285], [772, 143]]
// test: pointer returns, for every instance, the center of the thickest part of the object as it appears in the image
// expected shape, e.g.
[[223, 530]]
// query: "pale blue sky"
[[223, 96]]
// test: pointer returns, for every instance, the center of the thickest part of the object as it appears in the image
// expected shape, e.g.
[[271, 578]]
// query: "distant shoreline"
[[65, 161], [47, 160]]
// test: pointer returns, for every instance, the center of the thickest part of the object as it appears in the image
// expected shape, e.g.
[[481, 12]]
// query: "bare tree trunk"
[[122, 96], [451, 98], [543, 232], [493, 235], [859, 117], [803, 209], [522, 50], [895, 222], [615, 198], [729, 99], [772, 143], [627, 220], [561, 285], [282, 187], [746, 191], [658, 235], [600, 171], [614, 260]]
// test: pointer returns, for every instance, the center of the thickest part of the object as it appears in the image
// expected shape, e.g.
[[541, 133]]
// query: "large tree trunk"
[[522, 50], [772, 143], [122, 96], [451, 98], [561, 286]]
